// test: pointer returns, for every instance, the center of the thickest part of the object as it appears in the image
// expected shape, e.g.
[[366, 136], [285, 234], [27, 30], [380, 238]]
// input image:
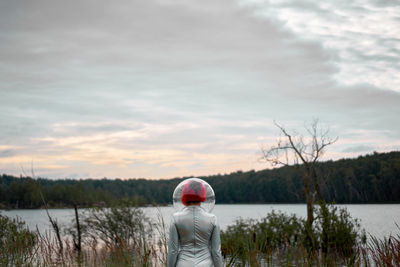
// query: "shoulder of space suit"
[[211, 216], [179, 214]]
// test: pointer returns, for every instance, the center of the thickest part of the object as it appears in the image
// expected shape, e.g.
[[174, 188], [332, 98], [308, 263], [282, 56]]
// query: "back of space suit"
[[194, 239], [194, 232]]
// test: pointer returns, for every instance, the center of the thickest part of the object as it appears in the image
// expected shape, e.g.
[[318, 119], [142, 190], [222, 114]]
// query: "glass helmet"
[[194, 190]]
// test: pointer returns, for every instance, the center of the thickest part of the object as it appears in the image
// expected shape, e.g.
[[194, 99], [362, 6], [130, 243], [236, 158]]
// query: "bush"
[[123, 230], [247, 239], [335, 233], [278, 229], [16, 242]]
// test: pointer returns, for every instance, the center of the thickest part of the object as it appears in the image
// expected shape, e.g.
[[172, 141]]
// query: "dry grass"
[[46, 253], [151, 250]]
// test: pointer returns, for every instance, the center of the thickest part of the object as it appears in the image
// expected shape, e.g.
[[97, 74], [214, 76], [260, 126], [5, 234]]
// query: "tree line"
[[373, 178]]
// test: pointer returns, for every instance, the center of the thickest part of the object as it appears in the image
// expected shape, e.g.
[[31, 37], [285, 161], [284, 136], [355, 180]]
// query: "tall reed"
[[244, 244]]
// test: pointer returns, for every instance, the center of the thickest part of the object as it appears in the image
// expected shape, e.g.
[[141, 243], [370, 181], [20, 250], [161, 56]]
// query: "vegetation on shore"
[[124, 236], [117, 236], [281, 239], [372, 178]]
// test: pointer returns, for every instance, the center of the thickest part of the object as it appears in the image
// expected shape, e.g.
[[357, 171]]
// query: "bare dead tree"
[[78, 243], [303, 153]]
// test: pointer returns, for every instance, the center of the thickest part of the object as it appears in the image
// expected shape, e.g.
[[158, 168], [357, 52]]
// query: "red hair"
[[193, 191]]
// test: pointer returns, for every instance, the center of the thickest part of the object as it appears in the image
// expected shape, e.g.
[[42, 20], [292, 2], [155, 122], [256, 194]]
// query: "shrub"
[[123, 231], [248, 239], [335, 237], [337, 231], [278, 229], [16, 242]]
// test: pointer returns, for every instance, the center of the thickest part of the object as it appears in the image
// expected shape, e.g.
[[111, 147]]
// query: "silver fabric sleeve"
[[173, 244], [216, 245]]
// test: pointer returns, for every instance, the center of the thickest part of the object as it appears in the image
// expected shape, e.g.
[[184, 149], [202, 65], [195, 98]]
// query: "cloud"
[[168, 88], [6, 153], [360, 148], [363, 35]]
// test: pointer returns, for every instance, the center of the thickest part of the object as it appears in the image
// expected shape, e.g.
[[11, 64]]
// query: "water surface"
[[377, 219]]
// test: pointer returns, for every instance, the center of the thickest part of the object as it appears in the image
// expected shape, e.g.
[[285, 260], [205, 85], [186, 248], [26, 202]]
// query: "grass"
[[282, 246]]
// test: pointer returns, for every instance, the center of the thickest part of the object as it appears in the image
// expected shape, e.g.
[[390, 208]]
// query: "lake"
[[377, 219]]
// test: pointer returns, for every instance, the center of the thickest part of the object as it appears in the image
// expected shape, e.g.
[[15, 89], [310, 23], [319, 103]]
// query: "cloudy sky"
[[167, 88]]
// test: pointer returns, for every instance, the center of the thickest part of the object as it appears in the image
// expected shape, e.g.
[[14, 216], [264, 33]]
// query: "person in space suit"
[[194, 237]]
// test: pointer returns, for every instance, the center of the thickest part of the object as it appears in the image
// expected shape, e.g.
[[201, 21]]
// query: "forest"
[[373, 178]]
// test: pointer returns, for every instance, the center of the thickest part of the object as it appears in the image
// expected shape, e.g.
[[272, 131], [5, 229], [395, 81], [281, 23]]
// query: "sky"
[[173, 88]]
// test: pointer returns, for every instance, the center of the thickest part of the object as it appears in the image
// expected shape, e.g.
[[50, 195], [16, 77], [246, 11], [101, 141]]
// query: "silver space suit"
[[194, 239]]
